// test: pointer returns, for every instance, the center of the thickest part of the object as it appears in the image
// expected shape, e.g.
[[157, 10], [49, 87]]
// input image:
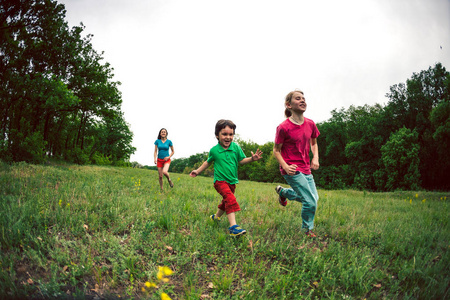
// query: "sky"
[[183, 65]]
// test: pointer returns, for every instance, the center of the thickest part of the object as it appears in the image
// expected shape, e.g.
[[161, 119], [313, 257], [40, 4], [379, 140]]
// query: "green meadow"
[[77, 232]]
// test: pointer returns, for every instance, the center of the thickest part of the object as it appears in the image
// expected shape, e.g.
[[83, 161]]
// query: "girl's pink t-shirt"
[[296, 143]]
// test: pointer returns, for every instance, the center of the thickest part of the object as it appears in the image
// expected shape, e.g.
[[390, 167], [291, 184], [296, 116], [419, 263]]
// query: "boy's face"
[[225, 137], [298, 102]]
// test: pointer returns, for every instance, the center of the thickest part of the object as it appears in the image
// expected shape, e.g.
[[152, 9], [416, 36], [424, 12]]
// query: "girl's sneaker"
[[235, 230], [214, 218], [281, 200], [310, 234]]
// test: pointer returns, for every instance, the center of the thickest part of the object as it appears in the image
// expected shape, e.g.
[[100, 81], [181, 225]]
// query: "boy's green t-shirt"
[[226, 162]]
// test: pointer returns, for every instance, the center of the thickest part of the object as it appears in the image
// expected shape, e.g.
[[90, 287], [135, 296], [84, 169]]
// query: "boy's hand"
[[193, 173], [256, 156]]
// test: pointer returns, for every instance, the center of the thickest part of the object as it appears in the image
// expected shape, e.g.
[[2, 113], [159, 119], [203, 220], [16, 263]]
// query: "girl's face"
[[298, 102], [163, 133], [225, 137]]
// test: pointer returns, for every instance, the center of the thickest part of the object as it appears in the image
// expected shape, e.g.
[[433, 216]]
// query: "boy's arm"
[[315, 152], [255, 156], [203, 167]]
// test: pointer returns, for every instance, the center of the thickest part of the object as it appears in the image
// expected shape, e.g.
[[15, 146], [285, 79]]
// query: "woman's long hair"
[[159, 134]]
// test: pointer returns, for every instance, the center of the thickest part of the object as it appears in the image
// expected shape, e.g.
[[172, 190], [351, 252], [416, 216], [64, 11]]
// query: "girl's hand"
[[256, 156], [291, 170], [166, 158], [193, 173], [315, 164], [155, 161]]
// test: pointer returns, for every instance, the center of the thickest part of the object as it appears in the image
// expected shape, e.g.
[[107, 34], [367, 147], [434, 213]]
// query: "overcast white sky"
[[184, 64]]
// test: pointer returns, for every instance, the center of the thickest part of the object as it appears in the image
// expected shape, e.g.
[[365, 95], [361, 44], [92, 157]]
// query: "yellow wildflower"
[[164, 296], [166, 270]]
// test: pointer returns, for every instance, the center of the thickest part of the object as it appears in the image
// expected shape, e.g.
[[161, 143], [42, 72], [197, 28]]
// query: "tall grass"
[[72, 231]]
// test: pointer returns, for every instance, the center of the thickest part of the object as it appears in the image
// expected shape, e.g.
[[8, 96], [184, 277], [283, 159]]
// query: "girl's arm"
[[156, 153], [203, 167], [255, 156], [289, 169], [315, 152]]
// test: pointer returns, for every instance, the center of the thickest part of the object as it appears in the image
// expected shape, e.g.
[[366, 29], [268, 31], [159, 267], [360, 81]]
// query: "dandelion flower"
[[167, 271], [160, 275], [164, 296], [150, 284], [417, 195]]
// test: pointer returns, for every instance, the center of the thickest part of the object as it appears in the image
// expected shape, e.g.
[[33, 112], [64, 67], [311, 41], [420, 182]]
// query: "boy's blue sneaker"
[[235, 230], [214, 218], [281, 200]]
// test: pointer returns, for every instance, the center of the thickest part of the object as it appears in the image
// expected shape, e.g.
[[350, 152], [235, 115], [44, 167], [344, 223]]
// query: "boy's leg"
[[229, 205], [303, 190], [219, 213], [232, 218]]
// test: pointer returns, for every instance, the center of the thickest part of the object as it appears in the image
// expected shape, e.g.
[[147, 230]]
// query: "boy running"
[[226, 155]]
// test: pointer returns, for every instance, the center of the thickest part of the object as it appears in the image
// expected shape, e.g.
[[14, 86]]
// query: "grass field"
[[77, 232]]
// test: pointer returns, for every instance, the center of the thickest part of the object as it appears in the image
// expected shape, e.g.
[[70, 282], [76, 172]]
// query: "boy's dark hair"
[[221, 124], [159, 134]]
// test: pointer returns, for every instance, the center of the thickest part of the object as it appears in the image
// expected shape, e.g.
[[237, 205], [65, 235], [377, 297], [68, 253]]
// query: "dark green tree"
[[56, 95], [400, 160]]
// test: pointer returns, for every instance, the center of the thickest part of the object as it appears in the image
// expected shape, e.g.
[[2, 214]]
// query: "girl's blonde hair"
[[287, 111]]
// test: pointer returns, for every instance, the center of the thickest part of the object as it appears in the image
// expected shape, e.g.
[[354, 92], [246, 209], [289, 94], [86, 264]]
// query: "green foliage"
[[70, 231], [354, 139], [400, 159], [57, 96]]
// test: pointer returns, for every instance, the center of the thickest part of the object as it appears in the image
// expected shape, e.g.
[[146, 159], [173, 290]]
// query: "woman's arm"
[[171, 154]]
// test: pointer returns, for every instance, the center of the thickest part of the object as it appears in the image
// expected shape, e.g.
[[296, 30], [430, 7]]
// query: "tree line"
[[403, 145], [57, 96]]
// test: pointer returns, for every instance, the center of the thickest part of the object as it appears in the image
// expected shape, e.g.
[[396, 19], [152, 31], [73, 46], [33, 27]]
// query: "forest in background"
[[403, 145], [57, 96], [58, 100]]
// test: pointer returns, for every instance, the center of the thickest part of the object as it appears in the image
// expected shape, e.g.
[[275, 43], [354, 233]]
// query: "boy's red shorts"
[[161, 162], [226, 190]]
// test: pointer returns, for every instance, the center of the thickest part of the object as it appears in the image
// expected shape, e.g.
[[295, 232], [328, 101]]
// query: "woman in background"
[[162, 157]]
